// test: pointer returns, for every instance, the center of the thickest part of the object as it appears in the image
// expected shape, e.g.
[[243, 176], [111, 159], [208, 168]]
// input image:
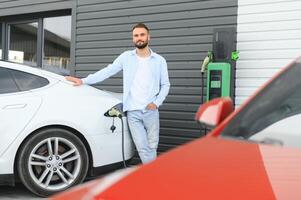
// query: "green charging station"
[[218, 80], [220, 69]]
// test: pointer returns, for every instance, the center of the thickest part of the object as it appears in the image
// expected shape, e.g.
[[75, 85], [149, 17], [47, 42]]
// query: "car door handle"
[[14, 106]]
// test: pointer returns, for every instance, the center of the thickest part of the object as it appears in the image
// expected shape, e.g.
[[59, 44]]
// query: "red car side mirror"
[[215, 111]]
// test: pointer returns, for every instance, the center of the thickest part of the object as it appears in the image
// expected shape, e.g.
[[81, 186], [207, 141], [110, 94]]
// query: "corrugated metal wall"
[[17, 7], [181, 31], [268, 37]]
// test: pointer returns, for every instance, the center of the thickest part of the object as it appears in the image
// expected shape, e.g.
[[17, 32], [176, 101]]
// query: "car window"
[[7, 83], [285, 132], [273, 113], [26, 81]]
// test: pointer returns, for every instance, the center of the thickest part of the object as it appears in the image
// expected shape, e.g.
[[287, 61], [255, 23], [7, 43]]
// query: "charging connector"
[[116, 111]]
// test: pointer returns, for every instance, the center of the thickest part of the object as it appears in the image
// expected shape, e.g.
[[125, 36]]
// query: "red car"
[[252, 153]]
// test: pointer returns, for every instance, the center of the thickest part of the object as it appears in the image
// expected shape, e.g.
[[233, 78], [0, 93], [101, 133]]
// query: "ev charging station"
[[220, 68], [220, 65]]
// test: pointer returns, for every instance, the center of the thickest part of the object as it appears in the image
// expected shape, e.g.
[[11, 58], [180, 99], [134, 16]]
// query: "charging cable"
[[116, 112], [122, 141]]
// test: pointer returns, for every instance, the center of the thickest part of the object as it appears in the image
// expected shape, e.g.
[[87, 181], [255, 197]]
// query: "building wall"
[[181, 31], [268, 37], [17, 7]]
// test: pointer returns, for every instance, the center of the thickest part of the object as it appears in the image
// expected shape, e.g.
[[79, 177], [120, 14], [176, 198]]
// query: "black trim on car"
[[7, 179], [96, 171]]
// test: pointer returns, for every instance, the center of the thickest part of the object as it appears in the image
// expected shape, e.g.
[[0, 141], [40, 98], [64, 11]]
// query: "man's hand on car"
[[76, 81]]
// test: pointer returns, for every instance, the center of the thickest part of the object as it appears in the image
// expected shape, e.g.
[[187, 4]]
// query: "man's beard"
[[141, 45]]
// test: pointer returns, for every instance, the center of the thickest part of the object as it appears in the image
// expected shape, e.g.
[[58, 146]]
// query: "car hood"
[[83, 90], [114, 94], [215, 168], [63, 80], [53, 75]]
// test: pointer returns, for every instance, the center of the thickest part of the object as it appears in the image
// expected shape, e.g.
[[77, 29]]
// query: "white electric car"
[[53, 134]]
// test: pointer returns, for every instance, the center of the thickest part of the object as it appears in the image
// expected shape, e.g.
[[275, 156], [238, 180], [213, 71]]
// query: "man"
[[145, 86]]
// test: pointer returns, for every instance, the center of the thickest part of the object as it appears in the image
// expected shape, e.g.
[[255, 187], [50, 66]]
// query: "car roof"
[[33, 70], [20, 67]]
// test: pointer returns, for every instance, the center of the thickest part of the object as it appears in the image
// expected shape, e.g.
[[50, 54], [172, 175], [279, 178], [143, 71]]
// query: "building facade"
[[86, 35], [268, 38]]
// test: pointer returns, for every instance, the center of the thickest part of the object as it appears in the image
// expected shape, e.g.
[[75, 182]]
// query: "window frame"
[[37, 17], [7, 38], [2, 38]]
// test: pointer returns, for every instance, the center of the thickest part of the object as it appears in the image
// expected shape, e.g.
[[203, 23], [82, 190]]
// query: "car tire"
[[51, 161]]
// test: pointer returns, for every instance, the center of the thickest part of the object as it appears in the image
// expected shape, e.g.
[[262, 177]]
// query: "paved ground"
[[21, 192], [17, 192]]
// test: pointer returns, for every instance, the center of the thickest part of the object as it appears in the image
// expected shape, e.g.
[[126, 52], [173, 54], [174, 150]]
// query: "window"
[[23, 43], [274, 115], [7, 84], [38, 40], [16, 81], [26, 81], [57, 39]]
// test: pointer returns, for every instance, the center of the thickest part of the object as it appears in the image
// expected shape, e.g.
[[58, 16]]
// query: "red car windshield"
[[275, 111]]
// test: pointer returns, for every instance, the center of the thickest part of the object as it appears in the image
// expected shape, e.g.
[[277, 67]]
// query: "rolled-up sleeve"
[[104, 73]]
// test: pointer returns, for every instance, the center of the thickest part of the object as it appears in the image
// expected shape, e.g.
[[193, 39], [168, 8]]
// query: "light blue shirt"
[[128, 62]]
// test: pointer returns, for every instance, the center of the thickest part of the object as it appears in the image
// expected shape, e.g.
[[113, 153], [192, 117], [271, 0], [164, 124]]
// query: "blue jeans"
[[144, 127]]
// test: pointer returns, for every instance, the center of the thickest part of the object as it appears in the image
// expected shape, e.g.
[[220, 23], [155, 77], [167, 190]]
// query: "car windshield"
[[275, 112]]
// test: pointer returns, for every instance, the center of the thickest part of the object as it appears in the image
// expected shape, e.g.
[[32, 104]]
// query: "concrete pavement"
[[17, 192]]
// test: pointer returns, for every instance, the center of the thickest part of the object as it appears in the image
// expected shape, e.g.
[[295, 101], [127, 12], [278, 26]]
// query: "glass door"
[[22, 42], [57, 41]]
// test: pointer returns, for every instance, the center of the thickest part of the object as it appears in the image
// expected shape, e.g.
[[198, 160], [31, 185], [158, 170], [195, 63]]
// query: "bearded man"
[[145, 86]]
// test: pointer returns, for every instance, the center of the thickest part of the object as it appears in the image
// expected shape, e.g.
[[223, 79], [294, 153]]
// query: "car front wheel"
[[52, 161]]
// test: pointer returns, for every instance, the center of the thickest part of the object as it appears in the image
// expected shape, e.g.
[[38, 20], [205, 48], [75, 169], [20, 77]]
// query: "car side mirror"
[[213, 112]]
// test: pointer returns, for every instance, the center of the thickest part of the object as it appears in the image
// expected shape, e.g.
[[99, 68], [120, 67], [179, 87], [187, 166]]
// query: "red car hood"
[[212, 168]]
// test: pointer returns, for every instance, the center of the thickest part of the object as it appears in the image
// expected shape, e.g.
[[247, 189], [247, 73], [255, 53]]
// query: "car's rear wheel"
[[51, 161]]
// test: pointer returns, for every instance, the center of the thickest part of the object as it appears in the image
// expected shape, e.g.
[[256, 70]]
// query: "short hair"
[[141, 25]]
